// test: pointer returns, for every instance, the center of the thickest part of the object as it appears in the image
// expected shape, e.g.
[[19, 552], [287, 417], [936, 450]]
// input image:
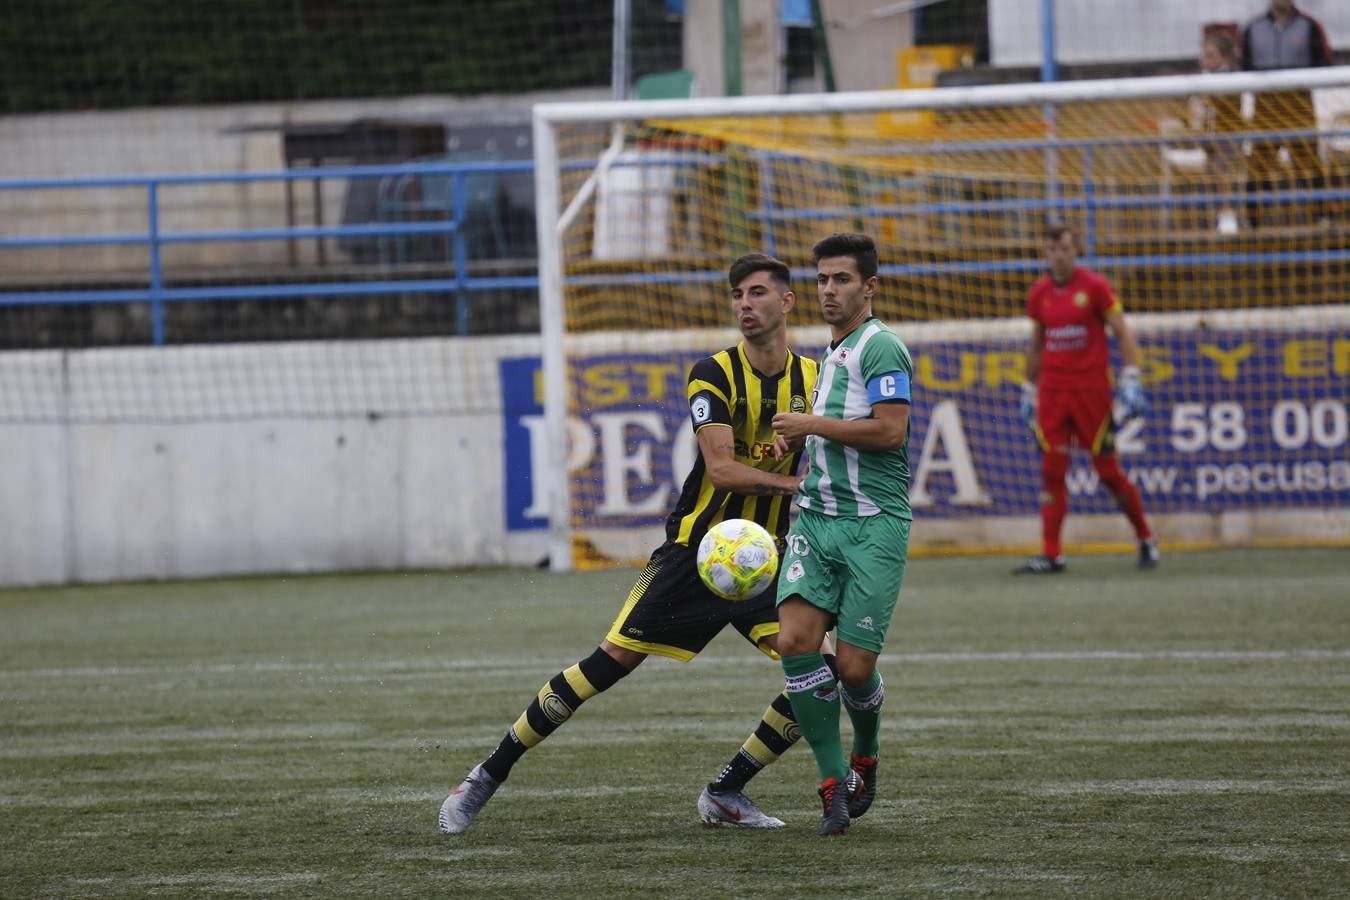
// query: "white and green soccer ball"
[[737, 559]]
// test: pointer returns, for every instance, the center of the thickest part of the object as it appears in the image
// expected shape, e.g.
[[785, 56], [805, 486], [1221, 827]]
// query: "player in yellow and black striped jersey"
[[725, 389], [741, 470]]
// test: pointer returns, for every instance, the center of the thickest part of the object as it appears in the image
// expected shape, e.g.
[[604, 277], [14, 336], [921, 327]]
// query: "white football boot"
[[463, 804], [735, 809]]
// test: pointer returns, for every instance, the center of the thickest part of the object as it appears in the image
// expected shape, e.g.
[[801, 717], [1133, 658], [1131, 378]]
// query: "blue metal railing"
[[453, 208], [1091, 201], [157, 294]]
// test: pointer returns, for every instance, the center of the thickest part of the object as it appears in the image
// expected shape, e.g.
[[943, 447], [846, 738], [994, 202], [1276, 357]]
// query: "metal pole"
[[731, 48], [619, 71], [553, 356], [1049, 69], [460, 247], [1049, 72], [156, 270], [826, 61], [822, 45]]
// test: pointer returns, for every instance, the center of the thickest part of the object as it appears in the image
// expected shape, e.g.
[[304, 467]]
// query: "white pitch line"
[[230, 881], [425, 665], [1190, 786], [1098, 655]]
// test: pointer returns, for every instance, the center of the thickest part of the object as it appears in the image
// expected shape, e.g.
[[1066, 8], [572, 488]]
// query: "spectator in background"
[[1284, 37], [1218, 53], [1219, 118]]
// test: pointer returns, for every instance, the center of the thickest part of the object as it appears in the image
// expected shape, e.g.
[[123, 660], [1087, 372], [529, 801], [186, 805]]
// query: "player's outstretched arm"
[[718, 445], [885, 429]]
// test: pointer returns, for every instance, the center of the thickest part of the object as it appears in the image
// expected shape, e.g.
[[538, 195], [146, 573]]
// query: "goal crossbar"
[[943, 98]]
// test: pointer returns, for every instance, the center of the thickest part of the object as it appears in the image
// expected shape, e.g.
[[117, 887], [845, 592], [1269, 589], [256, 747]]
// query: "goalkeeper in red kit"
[[1067, 397]]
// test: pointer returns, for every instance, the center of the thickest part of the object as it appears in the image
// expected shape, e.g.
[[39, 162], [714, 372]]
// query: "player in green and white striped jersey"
[[844, 480], [846, 553]]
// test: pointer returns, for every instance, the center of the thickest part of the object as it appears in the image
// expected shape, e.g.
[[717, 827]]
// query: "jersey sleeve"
[[887, 369], [810, 374], [709, 394], [1034, 302], [1104, 299]]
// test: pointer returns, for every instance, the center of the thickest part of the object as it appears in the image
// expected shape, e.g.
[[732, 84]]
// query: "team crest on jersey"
[[1080, 300], [841, 356], [795, 572], [798, 403]]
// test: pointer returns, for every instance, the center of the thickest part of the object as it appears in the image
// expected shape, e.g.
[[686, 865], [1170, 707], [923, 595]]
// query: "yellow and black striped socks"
[[776, 732], [552, 706]]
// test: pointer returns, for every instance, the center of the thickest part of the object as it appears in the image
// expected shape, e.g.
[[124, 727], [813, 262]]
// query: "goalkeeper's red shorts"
[[1064, 417]]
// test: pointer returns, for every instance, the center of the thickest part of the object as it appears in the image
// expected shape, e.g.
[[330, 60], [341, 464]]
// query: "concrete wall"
[[190, 140], [413, 482], [863, 45], [375, 455], [1096, 31]]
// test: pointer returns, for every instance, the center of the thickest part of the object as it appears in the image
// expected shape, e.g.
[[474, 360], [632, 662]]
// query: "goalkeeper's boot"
[[835, 799], [865, 768], [1041, 565], [465, 802], [1148, 554], [733, 808]]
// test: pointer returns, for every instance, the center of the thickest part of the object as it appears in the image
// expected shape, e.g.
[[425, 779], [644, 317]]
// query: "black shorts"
[[670, 611]]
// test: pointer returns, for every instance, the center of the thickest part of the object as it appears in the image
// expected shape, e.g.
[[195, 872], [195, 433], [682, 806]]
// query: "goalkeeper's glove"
[[1129, 394], [1026, 407]]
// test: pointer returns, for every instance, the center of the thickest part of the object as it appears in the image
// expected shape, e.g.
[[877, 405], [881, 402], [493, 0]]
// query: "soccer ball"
[[737, 559]]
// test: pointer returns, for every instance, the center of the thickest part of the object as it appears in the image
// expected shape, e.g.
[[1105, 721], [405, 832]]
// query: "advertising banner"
[[1239, 419]]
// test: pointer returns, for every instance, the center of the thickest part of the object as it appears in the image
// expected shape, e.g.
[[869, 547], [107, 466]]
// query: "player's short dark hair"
[[859, 246], [1056, 230], [760, 262]]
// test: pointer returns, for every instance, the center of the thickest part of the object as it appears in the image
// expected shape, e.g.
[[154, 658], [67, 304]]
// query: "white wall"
[[151, 496], [1100, 31], [355, 455], [242, 137], [863, 45]]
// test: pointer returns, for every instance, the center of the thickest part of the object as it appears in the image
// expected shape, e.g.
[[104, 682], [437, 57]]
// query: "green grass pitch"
[[1105, 733]]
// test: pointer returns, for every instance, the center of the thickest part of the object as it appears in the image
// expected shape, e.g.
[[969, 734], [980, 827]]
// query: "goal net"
[[1216, 206]]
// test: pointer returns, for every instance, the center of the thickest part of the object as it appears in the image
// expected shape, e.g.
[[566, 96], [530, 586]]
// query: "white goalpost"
[[955, 190]]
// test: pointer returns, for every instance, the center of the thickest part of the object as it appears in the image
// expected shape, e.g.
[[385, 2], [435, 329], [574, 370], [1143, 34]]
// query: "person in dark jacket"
[[1284, 37]]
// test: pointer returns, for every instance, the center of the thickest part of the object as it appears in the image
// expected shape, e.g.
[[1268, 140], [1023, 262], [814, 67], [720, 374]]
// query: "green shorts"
[[849, 566]]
